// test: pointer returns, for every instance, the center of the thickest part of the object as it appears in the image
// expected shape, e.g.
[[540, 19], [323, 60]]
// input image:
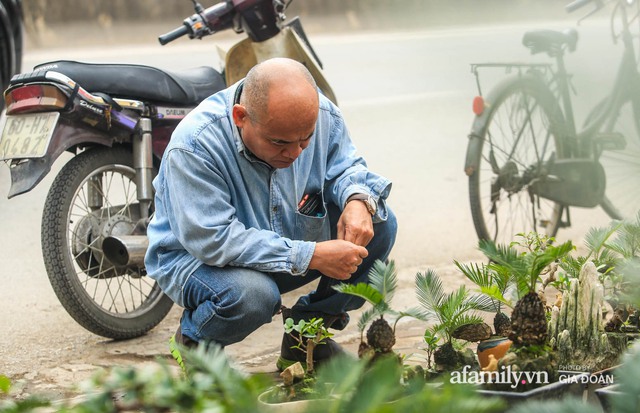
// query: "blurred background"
[[48, 23]]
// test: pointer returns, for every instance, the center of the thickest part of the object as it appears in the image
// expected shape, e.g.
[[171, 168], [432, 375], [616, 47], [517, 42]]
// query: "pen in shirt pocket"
[[303, 201]]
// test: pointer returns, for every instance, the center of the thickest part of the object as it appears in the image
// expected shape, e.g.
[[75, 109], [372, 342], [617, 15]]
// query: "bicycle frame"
[[505, 178], [626, 85]]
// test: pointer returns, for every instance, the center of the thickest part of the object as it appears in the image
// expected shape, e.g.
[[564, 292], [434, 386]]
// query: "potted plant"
[[298, 388], [579, 330], [530, 350], [493, 282], [455, 316], [380, 336], [619, 397]]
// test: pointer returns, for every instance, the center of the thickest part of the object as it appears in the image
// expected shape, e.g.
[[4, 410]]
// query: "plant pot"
[[497, 346], [604, 396], [571, 384], [268, 402], [599, 380]]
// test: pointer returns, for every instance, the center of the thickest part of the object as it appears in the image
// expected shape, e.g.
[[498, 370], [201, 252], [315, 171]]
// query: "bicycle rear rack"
[[544, 68]]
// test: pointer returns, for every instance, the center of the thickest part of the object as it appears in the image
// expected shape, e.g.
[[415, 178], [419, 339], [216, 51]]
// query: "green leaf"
[[478, 274], [366, 317], [417, 313], [5, 384], [496, 294], [362, 290], [525, 268], [596, 238], [451, 310], [383, 277], [429, 290]]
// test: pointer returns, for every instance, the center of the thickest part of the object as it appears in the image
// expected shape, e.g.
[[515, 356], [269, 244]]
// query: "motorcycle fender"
[[246, 54], [28, 173], [478, 130]]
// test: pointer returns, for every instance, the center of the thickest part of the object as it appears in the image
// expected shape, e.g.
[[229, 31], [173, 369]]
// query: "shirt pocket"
[[312, 228]]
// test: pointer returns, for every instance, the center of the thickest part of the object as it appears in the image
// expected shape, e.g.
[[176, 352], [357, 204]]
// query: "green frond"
[[493, 281], [454, 302], [366, 318], [572, 266], [429, 290], [465, 319], [362, 290], [416, 313], [383, 277], [497, 297], [596, 238], [506, 256], [627, 242], [542, 259], [483, 302], [478, 274], [524, 268]]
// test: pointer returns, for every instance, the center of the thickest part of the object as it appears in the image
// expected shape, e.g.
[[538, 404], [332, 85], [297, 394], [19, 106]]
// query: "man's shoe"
[[176, 342], [290, 355]]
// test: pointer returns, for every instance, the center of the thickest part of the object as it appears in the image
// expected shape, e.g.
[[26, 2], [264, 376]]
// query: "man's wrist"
[[367, 199]]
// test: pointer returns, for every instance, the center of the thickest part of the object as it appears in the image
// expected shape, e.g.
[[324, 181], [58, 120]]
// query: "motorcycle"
[[117, 119]]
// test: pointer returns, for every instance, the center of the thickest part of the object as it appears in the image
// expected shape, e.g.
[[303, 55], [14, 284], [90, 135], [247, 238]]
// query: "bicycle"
[[526, 161]]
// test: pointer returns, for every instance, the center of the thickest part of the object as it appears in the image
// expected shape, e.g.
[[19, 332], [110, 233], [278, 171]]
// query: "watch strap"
[[368, 201]]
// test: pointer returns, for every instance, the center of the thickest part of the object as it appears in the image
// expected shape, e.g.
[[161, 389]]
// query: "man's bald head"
[[283, 83]]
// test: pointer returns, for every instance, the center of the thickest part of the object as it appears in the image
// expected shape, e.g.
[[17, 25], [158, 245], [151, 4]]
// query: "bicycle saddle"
[[550, 41], [186, 87]]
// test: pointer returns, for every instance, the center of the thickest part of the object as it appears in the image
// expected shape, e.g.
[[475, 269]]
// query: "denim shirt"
[[217, 204]]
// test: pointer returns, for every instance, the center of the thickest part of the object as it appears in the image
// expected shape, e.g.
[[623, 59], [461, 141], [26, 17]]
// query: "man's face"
[[278, 143]]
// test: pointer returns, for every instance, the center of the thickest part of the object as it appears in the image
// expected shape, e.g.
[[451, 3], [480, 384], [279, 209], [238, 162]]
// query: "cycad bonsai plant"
[[526, 265], [378, 292], [493, 282], [452, 312], [528, 320]]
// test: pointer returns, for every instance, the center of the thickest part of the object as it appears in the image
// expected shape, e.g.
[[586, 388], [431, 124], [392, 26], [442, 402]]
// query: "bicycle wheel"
[[518, 131], [622, 167]]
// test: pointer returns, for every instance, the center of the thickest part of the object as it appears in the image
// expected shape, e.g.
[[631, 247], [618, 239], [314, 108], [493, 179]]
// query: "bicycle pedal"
[[612, 141]]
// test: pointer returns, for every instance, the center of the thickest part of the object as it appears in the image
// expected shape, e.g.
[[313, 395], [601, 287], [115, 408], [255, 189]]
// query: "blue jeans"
[[225, 305]]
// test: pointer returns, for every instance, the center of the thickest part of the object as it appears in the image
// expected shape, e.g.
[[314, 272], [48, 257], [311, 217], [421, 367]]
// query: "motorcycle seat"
[[186, 87]]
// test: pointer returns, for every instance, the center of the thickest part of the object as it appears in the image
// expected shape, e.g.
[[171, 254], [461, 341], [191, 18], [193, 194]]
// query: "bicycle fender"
[[474, 145], [30, 172]]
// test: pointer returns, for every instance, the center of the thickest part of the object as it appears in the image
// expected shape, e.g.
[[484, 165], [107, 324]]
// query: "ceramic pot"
[[267, 404], [498, 346]]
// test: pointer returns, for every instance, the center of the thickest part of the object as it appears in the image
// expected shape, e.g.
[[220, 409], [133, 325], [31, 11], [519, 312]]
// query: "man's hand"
[[356, 224], [337, 258]]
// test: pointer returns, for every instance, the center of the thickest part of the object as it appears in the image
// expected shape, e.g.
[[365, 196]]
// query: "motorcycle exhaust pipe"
[[125, 250]]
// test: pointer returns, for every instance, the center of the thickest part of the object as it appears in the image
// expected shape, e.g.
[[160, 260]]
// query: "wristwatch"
[[371, 204]]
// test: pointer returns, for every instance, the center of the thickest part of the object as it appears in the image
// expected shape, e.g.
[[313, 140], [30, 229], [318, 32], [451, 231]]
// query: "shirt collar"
[[236, 131]]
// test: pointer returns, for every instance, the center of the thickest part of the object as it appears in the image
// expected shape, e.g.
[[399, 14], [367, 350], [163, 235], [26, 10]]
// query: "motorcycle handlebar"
[[202, 23], [173, 35]]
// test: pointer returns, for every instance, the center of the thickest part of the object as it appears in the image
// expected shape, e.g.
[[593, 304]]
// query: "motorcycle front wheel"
[[94, 196]]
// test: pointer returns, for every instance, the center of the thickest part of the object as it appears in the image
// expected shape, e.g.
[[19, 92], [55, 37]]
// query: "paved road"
[[407, 99]]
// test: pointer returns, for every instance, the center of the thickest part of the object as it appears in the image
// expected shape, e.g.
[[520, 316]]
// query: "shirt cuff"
[[301, 255]]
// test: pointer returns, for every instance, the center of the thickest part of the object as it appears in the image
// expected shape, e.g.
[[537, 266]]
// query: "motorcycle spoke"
[[105, 196]]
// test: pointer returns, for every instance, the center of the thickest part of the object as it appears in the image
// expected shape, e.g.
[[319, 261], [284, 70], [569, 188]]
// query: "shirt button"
[[294, 269], [275, 209]]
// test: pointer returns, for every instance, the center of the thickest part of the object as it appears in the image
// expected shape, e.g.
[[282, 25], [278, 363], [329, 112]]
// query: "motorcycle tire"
[[92, 197]]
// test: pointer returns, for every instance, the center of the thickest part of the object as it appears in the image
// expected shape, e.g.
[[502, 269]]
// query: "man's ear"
[[240, 115]]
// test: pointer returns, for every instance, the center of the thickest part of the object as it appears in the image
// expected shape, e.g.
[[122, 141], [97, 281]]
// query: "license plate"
[[27, 136]]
